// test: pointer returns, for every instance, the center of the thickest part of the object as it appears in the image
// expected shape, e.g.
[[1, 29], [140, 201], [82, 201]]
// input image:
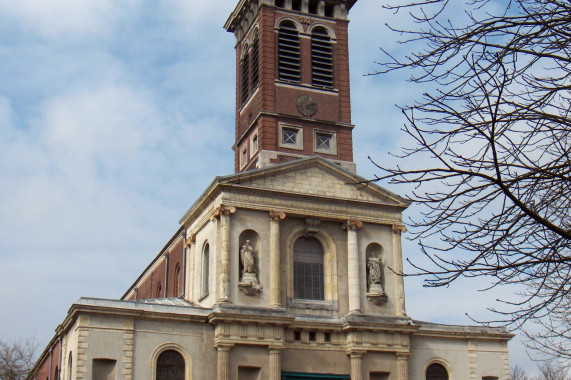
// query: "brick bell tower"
[[292, 81]]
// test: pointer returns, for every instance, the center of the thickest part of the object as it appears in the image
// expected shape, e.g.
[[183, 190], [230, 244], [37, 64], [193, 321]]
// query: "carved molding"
[[399, 228], [190, 240], [250, 288], [352, 225], [222, 210], [311, 226], [277, 215], [377, 298]]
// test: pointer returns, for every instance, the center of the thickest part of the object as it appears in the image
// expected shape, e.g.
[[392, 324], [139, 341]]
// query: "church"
[[286, 269]]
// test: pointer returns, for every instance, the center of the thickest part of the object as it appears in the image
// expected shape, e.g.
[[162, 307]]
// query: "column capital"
[[352, 225], [223, 346], [399, 228], [356, 353], [403, 355], [190, 240], [277, 215], [275, 348], [222, 210]]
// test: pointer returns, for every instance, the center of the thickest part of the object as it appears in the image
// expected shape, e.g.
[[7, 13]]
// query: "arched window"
[[255, 61], [170, 366], [205, 270], [177, 280], [308, 269], [245, 73], [69, 366], [436, 371], [321, 58], [289, 62]]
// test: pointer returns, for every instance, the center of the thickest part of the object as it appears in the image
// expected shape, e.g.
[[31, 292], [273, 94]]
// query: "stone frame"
[[331, 287]]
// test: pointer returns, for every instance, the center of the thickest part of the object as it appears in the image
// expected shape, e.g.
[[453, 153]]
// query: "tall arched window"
[[69, 366], [245, 74], [321, 58], [177, 280], [205, 270], [289, 62], [255, 61], [308, 269], [170, 366], [436, 371]]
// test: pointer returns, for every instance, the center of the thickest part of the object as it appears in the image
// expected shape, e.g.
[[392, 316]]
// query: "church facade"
[[285, 269]]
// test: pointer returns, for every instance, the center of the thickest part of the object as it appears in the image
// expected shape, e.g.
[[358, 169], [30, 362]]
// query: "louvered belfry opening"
[[289, 62], [255, 61], [321, 58], [245, 82]]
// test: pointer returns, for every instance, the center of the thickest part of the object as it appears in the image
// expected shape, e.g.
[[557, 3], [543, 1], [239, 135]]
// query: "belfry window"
[[170, 366], [255, 61], [308, 269], [289, 62], [245, 80], [321, 58], [436, 372]]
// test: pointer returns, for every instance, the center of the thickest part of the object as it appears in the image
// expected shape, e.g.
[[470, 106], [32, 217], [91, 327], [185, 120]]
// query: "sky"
[[116, 115]]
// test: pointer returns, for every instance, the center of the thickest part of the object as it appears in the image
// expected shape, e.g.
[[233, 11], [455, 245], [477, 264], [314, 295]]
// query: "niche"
[[249, 373], [104, 369], [375, 274], [249, 262], [379, 376]]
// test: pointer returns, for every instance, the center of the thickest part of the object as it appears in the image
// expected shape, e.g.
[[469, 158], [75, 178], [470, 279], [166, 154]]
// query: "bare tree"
[[17, 359], [490, 152], [553, 371], [517, 373]]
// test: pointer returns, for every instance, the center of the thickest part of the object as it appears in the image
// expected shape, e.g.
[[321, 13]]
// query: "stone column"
[[188, 266], [356, 364], [397, 264], [275, 363], [224, 213], [223, 363], [275, 267], [353, 272], [402, 366]]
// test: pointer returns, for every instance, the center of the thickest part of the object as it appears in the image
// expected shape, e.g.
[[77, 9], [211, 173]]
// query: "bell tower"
[[292, 81]]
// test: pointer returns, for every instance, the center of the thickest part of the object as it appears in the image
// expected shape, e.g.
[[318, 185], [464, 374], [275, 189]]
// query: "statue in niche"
[[249, 283], [375, 275], [247, 257]]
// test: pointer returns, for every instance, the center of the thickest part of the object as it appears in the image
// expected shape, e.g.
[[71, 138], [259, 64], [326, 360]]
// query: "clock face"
[[306, 105]]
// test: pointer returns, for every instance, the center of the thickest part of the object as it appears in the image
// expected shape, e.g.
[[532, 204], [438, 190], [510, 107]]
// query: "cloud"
[[68, 19]]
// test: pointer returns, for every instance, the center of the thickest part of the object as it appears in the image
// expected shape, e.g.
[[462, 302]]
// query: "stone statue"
[[247, 257], [375, 272]]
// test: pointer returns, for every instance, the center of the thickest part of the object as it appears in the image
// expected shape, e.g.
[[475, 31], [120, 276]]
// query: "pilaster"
[[223, 362], [224, 212], [275, 267], [356, 364], [353, 273], [397, 263], [275, 363], [402, 366]]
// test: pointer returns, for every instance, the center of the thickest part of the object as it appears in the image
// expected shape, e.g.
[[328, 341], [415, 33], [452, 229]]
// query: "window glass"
[[205, 269], [308, 269], [289, 136], [323, 141], [436, 372], [170, 366]]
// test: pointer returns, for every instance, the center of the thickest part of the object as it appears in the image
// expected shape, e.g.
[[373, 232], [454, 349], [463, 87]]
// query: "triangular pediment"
[[314, 176]]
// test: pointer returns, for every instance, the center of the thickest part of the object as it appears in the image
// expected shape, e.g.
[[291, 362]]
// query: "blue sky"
[[114, 117]]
